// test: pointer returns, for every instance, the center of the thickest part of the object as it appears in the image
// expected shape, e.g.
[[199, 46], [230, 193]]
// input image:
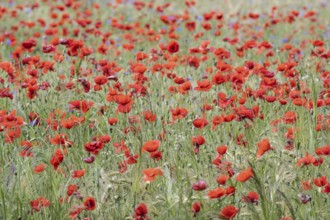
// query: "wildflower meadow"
[[164, 109]]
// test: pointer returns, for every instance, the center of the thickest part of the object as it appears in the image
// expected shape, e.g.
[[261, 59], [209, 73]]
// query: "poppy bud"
[[196, 207]]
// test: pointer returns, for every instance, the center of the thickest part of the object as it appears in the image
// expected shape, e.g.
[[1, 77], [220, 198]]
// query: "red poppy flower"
[[217, 120], [194, 62], [244, 175], [184, 87], [78, 173], [222, 150], [203, 86], [139, 68], [270, 98], [173, 47], [323, 150], [190, 26], [39, 203], [140, 212], [216, 193], [61, 139], [28, 44], [222, 179], [86, 51], [151, 146], [223, 101], [94, 147], [179, 80], [228, 212], [251, 197], [207, 107], [112, 121], [230, 117], [318, 161], [39, 168], [149, 116], [125, 103], [326, 188], [103, 138], [157, 155], [219, 78], [100, 80], [140, 56], [290, 117], [71, 189], [243, 112], [230, 190], [179, 113], [72, 121], [320, 181], [82, 106], [200, 123], [57, 158], [197, 141], [150, 174], [263, 147], [90, 203], [307, 160]]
